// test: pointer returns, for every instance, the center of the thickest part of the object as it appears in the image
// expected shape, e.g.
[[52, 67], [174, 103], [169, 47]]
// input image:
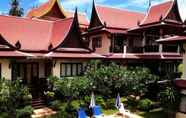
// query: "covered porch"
[[33, 73]]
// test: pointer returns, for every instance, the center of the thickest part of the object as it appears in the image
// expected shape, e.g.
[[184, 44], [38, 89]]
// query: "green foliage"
[[13, 95], [145, 104], [169, 98], [100, 101], [24, 112], [74, 87], [55, 105], [107, 80], [15, 10]]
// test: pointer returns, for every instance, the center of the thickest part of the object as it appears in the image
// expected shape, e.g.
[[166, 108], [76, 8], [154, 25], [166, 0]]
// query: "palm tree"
[[15, 10]]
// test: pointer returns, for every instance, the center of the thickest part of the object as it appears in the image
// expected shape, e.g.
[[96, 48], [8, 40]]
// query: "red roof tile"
[[74, 55], [11, 54], [149, 56], [118, 18], [157, 12], [34, 34], [44, 9]]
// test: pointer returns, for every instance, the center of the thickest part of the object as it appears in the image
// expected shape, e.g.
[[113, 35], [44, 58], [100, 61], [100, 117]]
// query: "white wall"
[[5, 69]]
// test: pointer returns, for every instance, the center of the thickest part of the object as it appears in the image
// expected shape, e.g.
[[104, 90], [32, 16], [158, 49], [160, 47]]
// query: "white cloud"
[[182, 8]]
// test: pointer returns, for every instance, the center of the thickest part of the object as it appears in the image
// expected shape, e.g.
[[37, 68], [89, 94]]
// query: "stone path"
[[43, 112]]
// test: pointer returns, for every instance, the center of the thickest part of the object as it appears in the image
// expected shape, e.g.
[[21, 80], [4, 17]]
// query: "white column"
[[184, 62], [161, 45]]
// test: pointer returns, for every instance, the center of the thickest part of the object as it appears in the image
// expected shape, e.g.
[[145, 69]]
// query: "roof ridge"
[[26, 18], [122, 9], [69, 18]]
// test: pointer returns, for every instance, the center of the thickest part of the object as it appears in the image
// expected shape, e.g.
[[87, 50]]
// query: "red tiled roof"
[[44, 9], [11, 54], [173, 39], [34, 34], [118, 18], [74, 55], [83, 20], [149, 56], [157, 12]]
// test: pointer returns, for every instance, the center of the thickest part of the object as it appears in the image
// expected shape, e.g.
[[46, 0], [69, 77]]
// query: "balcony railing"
[[170, 48], [116, 49], [147, 48], [151, 48]]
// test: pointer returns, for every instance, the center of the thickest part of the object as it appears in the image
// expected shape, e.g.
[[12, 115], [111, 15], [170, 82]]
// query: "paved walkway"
[[43, 112]]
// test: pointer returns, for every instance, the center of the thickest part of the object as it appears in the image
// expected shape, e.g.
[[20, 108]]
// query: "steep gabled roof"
[[45, 8], [167, 11], [117, 18], [35, 34]]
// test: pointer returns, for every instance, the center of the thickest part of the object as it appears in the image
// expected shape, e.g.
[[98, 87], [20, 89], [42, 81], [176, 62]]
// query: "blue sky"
[[85, 5]]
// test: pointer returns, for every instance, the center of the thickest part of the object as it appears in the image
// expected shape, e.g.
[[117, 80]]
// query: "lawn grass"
[[157, 113], [110, 111]]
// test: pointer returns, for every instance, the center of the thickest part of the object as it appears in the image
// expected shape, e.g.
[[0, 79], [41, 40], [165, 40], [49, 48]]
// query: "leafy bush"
[[25, 112], [169, 98], [56, 105], [145, 104], [110, 103], [75, 87], [109, 79], [100, 101], [13, 95]]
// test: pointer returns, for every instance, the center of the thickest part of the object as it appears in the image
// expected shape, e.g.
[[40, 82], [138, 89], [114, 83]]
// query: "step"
[[38, 103], [43, 112]]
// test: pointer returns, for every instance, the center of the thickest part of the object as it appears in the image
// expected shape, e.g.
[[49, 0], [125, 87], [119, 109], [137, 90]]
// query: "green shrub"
[[100, 101], [145, 104], [56, 105], [169, 98], [25, 112], [132, 102], [110, 103], [4, 115], [13, 96]]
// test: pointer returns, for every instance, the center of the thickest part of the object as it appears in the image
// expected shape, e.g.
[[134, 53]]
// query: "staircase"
[[38, 103]]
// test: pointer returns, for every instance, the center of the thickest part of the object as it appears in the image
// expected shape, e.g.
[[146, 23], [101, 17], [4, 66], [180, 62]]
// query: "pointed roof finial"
[[76, 15], [76, 12], [94, 3]]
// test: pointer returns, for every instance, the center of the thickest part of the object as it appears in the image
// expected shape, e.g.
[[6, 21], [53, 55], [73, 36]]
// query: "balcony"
[[170, 48], [147, 48], [116, 49]]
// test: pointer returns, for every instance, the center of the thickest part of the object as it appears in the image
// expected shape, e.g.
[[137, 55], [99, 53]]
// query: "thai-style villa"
[[52, 41], [129, 38]]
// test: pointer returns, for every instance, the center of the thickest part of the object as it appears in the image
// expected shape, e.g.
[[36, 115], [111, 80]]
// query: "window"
[[71, 69], [96, 42]]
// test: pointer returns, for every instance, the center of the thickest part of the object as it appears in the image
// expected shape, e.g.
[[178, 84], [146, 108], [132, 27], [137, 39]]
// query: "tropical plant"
[[13, 97], [145, 105], [169, 97], [110, 79], [15, 9]]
